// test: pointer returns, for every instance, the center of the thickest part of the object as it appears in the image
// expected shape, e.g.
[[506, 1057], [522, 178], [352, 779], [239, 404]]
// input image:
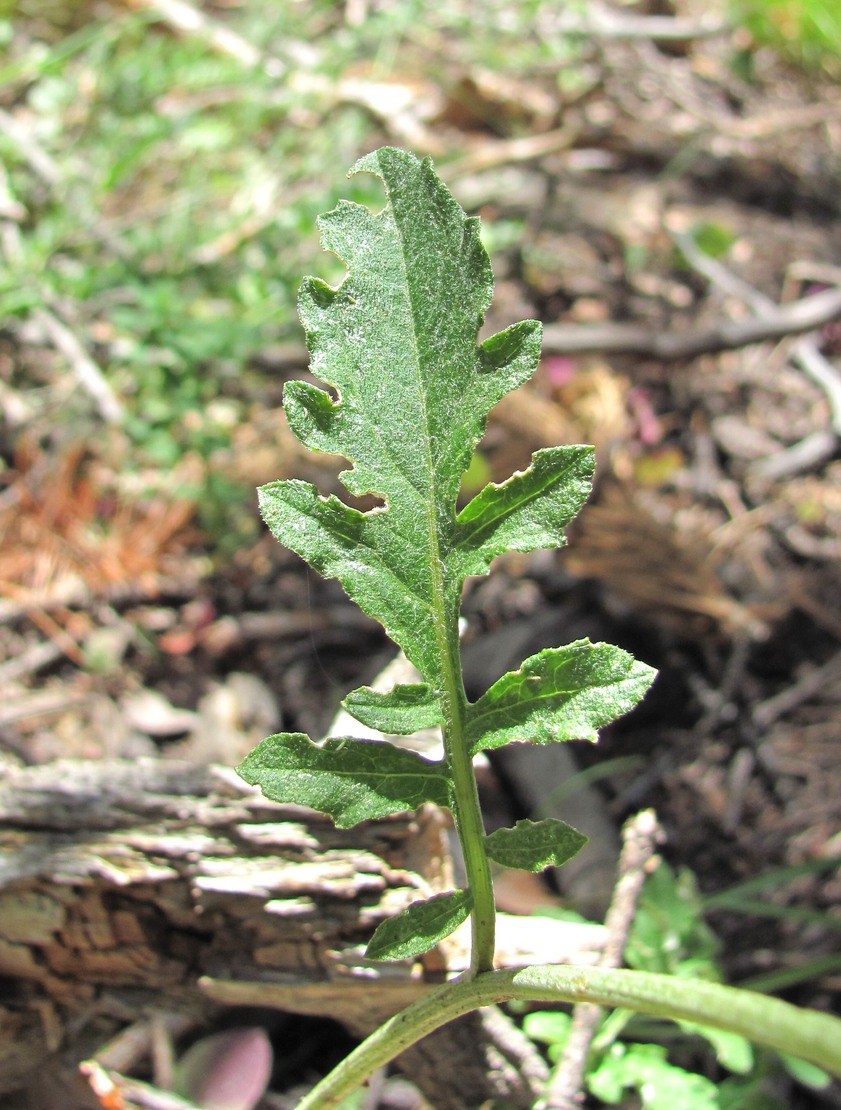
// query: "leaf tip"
[[380, 160]]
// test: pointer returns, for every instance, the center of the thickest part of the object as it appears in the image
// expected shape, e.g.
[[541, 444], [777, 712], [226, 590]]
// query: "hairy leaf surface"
[[398, 712], [528, 511], [351, 780], [407, 389], [397, 341], [419, 927], [533, 845], [564, 693]]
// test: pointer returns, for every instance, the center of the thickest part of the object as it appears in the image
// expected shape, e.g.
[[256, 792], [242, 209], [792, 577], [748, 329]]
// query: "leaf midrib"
[[438, 599], [471, 532]]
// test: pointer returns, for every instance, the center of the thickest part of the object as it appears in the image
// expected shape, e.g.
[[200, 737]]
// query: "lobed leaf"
[[404, 709], [357, 548], [565, 693], [397, 342], [533, 845], [528, 511], [351, 780], [419, 927], [406, 399]]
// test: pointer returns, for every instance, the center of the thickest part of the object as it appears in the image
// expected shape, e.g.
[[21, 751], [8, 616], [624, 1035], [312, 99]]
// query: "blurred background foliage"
[[160, 179]]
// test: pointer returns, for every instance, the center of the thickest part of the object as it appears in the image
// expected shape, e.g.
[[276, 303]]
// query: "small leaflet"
[[565, 693], [399, 712], [419, 927], [351, 780], [533, 845]]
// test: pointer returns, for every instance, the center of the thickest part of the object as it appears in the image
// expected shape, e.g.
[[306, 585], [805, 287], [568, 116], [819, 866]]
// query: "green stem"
[[807, 1034], [471, 834], [466, 809]]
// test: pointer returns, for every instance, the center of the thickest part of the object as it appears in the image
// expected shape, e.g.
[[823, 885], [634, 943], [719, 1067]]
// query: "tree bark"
[[126, 886]]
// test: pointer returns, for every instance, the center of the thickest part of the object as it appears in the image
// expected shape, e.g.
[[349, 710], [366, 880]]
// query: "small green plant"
[[396, 341], [653, 1058]]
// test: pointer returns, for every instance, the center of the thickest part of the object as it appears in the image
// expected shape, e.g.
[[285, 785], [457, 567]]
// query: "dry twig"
[[777, 322], [190, 20], [641, 835], [805, 351], [603, 22], [41, 162], [504, 151], [86, 371], [806, 314], [810, 683]]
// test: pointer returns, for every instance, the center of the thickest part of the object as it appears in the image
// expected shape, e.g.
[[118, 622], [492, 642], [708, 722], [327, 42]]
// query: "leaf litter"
[[749, 600]]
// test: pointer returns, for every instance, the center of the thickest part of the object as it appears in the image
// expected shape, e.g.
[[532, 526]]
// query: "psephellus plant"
[[397, 342]]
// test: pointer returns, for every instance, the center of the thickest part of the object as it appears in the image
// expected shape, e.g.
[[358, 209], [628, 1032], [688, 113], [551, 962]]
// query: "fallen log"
[[127, 887]]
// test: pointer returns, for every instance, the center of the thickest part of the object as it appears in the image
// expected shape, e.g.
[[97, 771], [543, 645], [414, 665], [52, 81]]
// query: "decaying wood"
[[126, 886]]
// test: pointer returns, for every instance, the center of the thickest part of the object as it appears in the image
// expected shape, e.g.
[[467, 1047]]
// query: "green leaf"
[[527, 511], [419, 927], [397, 341], [352, 780], [661, 1085], [563, 693], [533, 845], [810, 1075], [732, 1051], [405, 399], [669, 933], [549, 1027], [401, 711]]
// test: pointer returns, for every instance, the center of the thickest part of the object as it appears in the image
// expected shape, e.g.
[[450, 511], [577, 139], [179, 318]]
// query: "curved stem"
[[769, 1021]]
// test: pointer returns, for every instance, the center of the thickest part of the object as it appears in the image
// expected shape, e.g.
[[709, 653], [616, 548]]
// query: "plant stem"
[[798, 1032], [466, 809], [471, 834]]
